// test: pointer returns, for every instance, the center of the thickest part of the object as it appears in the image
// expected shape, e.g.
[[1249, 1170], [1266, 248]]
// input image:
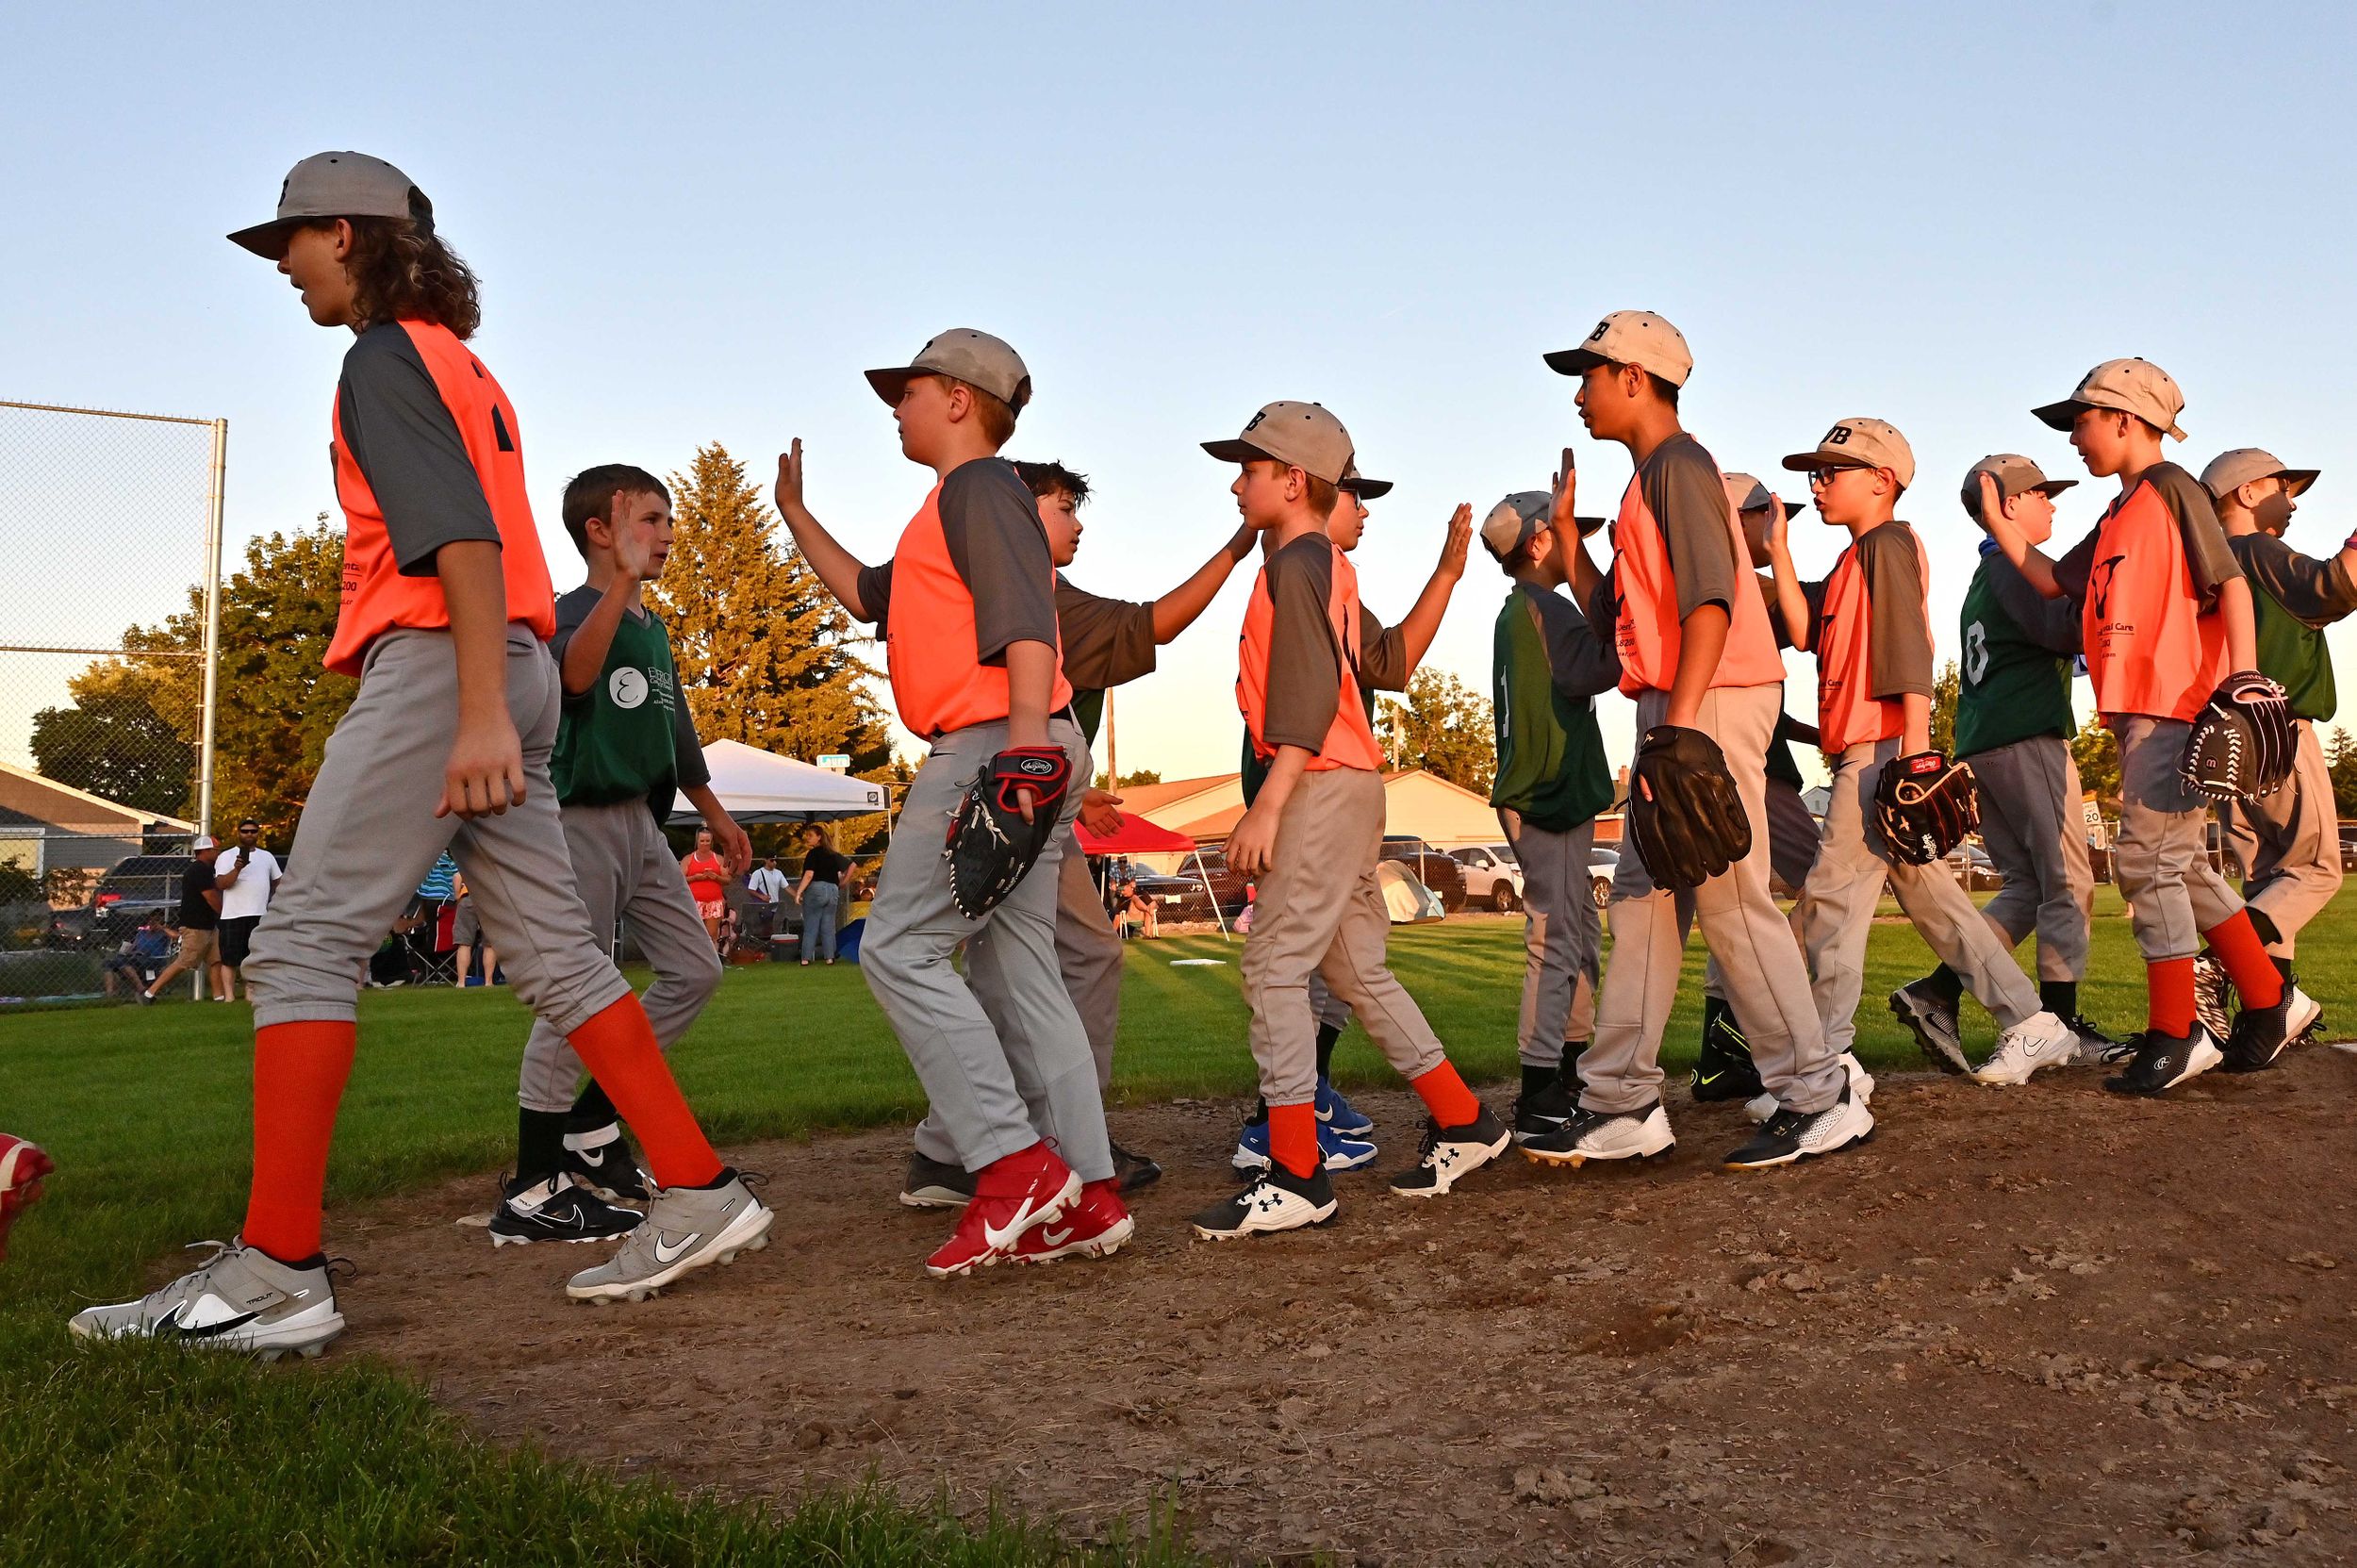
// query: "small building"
[[67, 835]]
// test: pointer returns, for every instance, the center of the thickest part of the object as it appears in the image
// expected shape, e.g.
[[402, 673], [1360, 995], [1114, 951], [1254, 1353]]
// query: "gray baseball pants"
[[1838, 910], [2161, 857], [2289, 843], [368, 835], [623, 866], [1562, 937], [999, 1050], [1767, 985], [1792, 839], [1320, 912], [2036, 838]]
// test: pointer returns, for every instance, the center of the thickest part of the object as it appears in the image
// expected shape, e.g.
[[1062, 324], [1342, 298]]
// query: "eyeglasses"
[[1819, 478]]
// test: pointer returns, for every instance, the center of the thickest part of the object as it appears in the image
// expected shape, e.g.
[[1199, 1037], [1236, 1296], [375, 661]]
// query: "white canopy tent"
[[758, 786]]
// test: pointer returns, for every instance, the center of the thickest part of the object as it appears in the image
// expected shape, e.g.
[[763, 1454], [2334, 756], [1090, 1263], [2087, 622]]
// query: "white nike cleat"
[[2029, 1047], [685, 1229], [1759, 1108], [1588, 1135], [240, 1299]]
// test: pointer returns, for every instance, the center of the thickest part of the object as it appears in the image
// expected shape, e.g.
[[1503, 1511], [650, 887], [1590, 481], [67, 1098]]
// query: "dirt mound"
[[2031, 1324]]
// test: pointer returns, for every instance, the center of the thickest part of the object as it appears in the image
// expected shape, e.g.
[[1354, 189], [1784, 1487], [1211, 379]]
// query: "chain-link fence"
[[111, 526]]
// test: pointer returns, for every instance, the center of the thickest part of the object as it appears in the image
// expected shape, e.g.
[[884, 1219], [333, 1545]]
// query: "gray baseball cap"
[[337, 185], [1512, 521], [964, 354], [1747, 494], [1298, 435], [2015, 475], [1637, 338], [1859, 443], [2135, 387], [2246, 463]]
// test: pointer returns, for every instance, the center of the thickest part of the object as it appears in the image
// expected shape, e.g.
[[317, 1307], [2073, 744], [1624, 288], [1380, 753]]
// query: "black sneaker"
[[1791, 1136], [1276, 1201], [935, 1185], [600, 1161], [2213, 995], [1932, 1018], [2162, 1061], [1132, 1171], [1537, 1114], [1447, 1153], [1725, 1070], [2096, 1049], [2262, 1035], [1642, 1134], [557, 1208]]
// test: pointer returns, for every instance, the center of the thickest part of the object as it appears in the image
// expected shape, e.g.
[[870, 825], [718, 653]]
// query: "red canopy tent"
[[1138, 836]]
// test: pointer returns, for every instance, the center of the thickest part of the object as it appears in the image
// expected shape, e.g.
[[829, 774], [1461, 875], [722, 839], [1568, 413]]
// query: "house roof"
[[1153, 797], [44, 781]]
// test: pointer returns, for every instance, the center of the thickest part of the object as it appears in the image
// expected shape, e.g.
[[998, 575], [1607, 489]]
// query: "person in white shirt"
[[246, 874], [767, 886]]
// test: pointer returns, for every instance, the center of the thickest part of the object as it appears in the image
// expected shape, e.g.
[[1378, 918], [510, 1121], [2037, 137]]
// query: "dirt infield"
[[2034, 1325]]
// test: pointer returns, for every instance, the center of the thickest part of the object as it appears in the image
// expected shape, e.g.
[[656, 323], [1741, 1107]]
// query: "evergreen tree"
[[2341, 756], [1944, 709]]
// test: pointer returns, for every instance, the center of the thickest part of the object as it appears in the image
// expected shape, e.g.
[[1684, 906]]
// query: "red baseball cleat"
[[1011, 1195], [22, 1166], [1094, 1227]]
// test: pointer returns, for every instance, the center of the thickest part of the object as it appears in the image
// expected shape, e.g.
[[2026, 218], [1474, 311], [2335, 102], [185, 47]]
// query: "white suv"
[[1491, 877]]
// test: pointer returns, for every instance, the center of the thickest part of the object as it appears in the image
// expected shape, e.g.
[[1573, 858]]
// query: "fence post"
[[213, 624]]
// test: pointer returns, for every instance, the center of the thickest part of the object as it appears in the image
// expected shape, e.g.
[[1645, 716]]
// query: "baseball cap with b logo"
[[2229, 470], [2015, 475], [964, 354], [337, 185], [1859, 443], [1637, 338], [1298, 435], [1747, 494], [2135, 387]]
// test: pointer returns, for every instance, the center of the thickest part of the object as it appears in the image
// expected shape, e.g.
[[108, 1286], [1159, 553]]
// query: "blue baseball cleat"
[[1340, 1114], [1341, 1152]]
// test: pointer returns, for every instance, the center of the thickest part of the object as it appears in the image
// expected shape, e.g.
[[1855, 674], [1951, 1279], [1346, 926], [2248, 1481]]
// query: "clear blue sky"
[[703, 228]]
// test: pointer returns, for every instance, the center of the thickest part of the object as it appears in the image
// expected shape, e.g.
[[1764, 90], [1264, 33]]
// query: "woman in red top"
[[707, 884]]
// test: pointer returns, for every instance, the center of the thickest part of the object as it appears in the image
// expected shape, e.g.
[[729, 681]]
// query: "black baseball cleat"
[[557, 1208], [1725, 1070], [1932, 1018], [1543, 1112], [2213, 995], [1134, 1170], [1793, 1135], [600, 1160], [1448, 1153], [1277, 1199], [2162, 1061], [2096, 1049], [932, 1184], [2262, 1035]]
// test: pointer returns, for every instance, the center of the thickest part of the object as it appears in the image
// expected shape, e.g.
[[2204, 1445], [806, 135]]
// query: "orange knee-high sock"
[[2168, 999], [1446, 1096], [1292, 1138], [2257, 982], [299, 1075], [618, 1046]]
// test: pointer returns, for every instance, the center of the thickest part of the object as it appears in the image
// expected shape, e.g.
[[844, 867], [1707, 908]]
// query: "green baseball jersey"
[[2295, 597], [2013, 679], [629, 736], [1545, 659]]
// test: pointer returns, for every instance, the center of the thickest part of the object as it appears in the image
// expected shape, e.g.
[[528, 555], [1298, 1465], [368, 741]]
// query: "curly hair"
[[402, 270]]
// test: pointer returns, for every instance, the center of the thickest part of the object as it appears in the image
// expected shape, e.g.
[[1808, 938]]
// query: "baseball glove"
[[991, 848], [1683, 809], [2243, 740], [1924, 805]]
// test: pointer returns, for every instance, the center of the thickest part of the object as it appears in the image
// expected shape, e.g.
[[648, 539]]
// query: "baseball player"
[[447, 609], [1723, 1068], [1700, 659], [975, 658], [2014, 726], [1314, 834], [2287, 843], [2167, 622], [1107, 642], [1866, 625], [625, 743], [1547, 666]]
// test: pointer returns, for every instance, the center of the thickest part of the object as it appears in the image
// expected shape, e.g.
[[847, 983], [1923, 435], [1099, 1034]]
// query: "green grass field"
[[145, 1453]]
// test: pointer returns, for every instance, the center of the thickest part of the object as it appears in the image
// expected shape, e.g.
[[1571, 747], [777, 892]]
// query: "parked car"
[[1444, 876], [2348, 847], [1180, 892], [1602, 865], [1492, 876], [136, 889]]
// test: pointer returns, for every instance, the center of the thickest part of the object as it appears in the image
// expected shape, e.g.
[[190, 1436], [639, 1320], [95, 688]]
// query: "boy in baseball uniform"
[[1698, 655], [1312, 836], [2288, 843], [2166, 620], [1866, 623], [972, 648], [625, 746], [447, 609], [1547, 666], [2014, 725]]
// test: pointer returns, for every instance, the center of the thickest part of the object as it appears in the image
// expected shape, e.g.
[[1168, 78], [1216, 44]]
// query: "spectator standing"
[[707, 884], [821, 892], [200, 917], [247, 876], [767, 886], [465, 932]]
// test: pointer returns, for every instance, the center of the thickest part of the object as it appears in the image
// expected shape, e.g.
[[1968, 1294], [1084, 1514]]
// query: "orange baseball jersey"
[[1872, 639], [1298, 666], [2147, 581], [1675, 546], [427, 454]]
